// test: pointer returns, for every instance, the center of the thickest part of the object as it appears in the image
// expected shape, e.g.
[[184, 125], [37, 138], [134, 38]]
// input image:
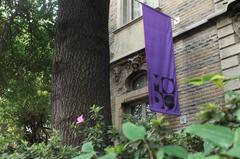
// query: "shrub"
[[53, 150], [217, 137]]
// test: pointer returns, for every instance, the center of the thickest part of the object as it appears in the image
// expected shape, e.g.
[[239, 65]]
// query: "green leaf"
[[137, 154], [116, 149], [208, 147], [219, 83], [133, 132], [109, 156], [196, 81], [160, 154], [87, 147], [196, 156], [85, 156], [216, 77], [160, 121], [238, 115], [235, 150], [201, 156], [213, 157], [237, 136], [176, 151], [218, 135]]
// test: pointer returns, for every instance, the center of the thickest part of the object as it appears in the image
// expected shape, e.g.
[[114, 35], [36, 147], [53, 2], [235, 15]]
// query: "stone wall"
[[229, 44], [112, 25]]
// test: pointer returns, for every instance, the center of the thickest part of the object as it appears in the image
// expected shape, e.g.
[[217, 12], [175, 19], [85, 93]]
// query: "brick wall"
[[197, 53], [189, 11]]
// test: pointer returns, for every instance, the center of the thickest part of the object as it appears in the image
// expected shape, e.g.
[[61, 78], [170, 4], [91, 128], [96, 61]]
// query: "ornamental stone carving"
[[136, 62], [117, 73], [123, 69]]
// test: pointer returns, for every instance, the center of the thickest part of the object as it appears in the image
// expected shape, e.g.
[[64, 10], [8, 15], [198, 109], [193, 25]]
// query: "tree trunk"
[[81, 64]]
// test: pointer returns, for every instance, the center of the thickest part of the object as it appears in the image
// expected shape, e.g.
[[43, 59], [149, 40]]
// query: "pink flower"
[[80, 119]]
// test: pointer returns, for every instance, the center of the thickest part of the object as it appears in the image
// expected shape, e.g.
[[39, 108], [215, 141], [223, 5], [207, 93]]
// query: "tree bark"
[[81, 64]]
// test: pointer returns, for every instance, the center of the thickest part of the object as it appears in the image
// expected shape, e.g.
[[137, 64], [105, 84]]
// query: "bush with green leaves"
[[219, 137], [222, 115], [215, 138], [94, 130], [219, 142], [140, 140], [212, 113], [191, 142], [53, 150]]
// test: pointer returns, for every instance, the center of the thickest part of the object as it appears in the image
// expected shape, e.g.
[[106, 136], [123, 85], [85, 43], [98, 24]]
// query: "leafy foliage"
[[94, 130], [204, 79], [218, 135], [222, 115], [141, 141], [26, 51], [52, 150]]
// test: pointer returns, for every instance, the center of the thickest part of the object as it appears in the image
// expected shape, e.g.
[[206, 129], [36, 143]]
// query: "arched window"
[[137, 80]]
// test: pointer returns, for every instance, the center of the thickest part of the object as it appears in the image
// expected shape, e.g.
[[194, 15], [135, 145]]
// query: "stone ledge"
[[232, 86], [230, 51], [225, 31], [230, 62], [224, 22], [227, 41], [233, 72]]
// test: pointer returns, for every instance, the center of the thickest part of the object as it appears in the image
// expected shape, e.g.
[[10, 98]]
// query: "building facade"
[[206, 37]]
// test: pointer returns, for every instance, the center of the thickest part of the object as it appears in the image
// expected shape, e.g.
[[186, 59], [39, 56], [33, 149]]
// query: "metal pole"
[[139, 1], [154, 8]]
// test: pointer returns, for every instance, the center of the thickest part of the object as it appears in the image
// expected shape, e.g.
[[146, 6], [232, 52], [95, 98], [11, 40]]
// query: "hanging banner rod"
[[157, 10]]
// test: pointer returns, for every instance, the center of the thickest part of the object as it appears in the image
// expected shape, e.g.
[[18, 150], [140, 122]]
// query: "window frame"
[[127, 11], [144, 103], [132, 78], [140, 76]]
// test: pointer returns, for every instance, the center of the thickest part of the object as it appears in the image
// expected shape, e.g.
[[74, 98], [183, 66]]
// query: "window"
[[140, 111], [137, 9], [137, 80], [132, 9]]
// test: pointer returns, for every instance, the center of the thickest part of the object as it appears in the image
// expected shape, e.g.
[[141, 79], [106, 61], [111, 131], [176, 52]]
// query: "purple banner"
[[162, 84]]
